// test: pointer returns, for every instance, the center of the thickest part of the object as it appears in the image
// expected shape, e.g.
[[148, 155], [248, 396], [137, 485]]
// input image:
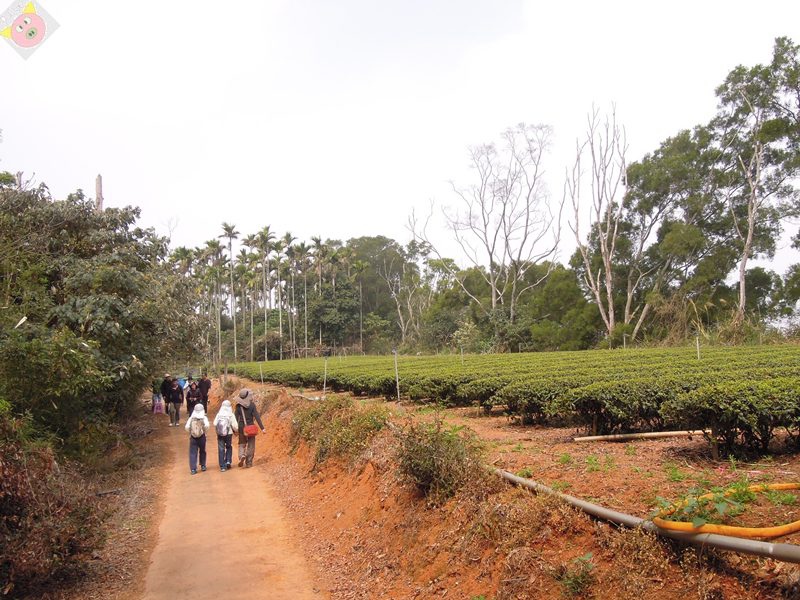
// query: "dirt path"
[[224, 535]]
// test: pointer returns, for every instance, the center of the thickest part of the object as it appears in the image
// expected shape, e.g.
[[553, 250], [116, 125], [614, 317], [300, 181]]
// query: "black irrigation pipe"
[[785, 552]]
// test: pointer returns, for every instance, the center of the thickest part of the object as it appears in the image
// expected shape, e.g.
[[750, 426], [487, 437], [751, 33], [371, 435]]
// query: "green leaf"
[[698, 522]]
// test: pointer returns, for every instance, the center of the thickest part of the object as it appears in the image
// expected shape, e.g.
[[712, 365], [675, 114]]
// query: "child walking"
[[196, 425], [225, 425]]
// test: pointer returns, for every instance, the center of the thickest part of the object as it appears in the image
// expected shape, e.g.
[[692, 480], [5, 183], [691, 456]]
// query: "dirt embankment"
[[364, 534], [371, 536]]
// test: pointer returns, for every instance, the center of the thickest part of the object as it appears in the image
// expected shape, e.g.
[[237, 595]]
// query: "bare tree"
[[409, 281], [610, 220], [503, 221]]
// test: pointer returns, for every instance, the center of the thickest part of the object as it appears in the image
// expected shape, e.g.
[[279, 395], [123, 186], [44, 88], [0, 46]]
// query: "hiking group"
[[227, 422]]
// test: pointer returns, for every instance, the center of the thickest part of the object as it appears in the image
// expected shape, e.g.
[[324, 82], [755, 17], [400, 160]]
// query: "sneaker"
[[203, 468], [223, 469], [194, 471], [170, 424], [249, 465], [227, 465], [241, 461]]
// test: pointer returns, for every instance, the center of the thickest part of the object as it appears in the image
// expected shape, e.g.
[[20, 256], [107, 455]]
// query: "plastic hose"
[[785, 552], [743, 532]]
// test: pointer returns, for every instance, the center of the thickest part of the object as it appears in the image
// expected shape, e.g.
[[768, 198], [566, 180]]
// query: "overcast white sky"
[[336, 118]]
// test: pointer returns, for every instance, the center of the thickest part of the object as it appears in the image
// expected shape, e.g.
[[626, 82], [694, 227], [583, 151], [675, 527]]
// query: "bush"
[[439, 460], [48, 521], [611, 406], [740, 414], [336, 426], [532, 399]]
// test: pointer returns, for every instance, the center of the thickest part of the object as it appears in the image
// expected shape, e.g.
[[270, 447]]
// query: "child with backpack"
[[196, 425], [225, 425]]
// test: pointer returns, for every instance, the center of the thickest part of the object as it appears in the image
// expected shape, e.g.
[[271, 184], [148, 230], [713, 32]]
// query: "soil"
[[352, 530]]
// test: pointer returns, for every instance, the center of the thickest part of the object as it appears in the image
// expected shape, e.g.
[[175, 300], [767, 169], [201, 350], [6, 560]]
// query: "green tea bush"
[[739, 414], [624, 405], [439, 460]]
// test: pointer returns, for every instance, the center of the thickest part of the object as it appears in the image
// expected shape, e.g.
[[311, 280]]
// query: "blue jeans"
[[225, 449], [196, 444]]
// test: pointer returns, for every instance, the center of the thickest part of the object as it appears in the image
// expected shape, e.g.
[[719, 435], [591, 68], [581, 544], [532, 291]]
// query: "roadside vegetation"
[[91, 310]]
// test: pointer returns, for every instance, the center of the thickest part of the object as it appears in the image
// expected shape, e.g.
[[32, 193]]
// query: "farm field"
[[528, 408], [744, 396]]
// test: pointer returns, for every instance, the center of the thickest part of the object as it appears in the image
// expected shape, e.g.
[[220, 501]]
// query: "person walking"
[[175, 398], [166, 386], [205, 387], [192, 397], [196, 425], [246, 414], [225, 424]]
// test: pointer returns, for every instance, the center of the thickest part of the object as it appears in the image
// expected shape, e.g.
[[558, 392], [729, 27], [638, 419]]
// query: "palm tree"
[[278, 248], [288, 240], [265, 238], [182, 257], [229, 231], [320, 253], [359, 267], [213, 253], [302, 252]]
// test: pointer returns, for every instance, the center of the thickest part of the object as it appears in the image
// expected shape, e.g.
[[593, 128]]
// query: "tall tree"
[[229, 232], [504, 222], [758, 131]]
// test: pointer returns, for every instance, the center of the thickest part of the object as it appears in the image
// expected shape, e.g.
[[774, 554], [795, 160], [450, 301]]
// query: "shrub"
[[532, 399], [439, 460], [739, 413], [336, 426], [610, 406], [48, 521]]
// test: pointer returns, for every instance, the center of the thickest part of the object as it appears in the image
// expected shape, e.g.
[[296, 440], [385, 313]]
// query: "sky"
[[338, 118]]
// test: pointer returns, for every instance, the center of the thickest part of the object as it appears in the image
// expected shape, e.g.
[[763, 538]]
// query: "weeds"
[[526, 472], [630, 450], [714, 506], [592, 463], [565, 459], [336, 427], [439, 460], [675, 474], [578, 577], [781, 498]]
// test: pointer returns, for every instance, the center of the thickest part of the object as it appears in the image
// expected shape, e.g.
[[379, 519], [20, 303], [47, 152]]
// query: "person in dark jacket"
[[166, 386], [193, 397], [175, 398], [205, 387], [247, 414]]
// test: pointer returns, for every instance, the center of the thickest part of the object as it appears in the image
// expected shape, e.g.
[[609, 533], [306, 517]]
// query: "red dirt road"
[[223, 535]]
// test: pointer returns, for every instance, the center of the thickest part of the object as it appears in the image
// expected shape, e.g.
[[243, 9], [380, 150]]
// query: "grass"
[[592, 463], [781, 498], [527, 472], [674, 473], [565, 459]]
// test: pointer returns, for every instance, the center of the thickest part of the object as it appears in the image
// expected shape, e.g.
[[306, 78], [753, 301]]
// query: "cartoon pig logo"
[[28, 29]]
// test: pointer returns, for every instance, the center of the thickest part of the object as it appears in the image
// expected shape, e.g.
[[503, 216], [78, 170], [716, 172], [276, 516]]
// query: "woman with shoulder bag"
[[247, 416], [225, 424]]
